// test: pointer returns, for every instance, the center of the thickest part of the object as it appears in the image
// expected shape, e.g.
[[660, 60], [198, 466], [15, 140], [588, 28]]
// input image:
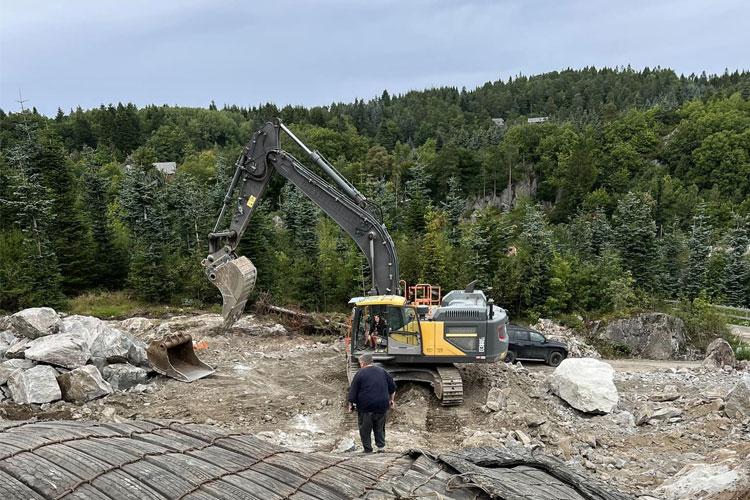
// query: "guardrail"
[[729, 312]]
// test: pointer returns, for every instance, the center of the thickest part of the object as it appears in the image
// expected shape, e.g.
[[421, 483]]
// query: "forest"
[[635, 189]]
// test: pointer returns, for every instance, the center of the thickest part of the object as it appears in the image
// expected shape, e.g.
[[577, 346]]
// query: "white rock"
[[343, 445], [586, 384], [8, 368], [69, 350], [698, 481], [737, 403], [83, 384], [36, 322], [35, 385]]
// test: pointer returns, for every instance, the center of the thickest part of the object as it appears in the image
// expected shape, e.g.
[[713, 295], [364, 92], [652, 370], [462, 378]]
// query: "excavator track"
[[448, 386]]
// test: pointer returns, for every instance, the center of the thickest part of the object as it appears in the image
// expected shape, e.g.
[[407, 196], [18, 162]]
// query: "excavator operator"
[[377, 329]]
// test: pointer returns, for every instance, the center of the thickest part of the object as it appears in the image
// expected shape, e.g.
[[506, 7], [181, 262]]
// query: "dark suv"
[[528, 344]]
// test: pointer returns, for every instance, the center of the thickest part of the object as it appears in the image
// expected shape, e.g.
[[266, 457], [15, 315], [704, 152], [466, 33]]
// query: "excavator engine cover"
[[173, 356], [235, 279]]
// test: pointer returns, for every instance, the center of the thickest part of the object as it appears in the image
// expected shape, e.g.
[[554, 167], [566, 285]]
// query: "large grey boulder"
[[83, 384], [719, 354], [7, 339], [123, 376], [36, 322], [8, 368], [35, 385], [17, 350], [649, 335], [68, 350], [737, 403], [5, 323], [586, 384]]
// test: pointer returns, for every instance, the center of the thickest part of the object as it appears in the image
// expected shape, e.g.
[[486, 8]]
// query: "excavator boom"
[[235, 275]]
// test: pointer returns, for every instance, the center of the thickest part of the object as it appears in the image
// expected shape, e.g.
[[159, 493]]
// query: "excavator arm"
[[235, 276]]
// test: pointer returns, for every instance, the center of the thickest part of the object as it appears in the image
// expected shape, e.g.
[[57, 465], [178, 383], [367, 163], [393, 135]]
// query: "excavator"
[[423, 337]]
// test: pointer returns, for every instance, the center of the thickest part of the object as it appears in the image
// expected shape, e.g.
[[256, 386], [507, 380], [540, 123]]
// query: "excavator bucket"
[[235, 279], [173, 356]]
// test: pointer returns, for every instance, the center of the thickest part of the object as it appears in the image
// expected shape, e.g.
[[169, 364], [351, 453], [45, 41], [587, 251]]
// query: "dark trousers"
[[370, 423]]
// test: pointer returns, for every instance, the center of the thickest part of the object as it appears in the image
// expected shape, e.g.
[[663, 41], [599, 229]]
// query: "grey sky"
[[187, 52]]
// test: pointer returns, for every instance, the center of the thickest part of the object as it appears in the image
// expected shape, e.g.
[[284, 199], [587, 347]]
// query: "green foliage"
[[635, 190], [702, 323]]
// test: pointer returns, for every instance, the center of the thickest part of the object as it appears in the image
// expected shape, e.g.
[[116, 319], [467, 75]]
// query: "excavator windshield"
[[392, 324]]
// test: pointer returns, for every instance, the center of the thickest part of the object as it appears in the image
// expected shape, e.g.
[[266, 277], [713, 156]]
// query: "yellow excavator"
[[420, 339]]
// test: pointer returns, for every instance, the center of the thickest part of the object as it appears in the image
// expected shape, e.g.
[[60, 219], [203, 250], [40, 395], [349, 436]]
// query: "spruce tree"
[[634, 231], [737, 274], [417, 201], [535, 254], [699, 248], [32, 204], [454, 207]]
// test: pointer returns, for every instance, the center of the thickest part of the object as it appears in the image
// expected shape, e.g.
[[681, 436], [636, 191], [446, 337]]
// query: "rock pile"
[[577, 346], [45, 356]]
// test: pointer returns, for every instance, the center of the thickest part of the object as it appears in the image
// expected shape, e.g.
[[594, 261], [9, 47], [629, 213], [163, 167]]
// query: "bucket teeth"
[[235, 279]]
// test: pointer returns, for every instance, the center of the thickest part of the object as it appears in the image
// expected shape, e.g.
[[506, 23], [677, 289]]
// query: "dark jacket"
[[371, 389]]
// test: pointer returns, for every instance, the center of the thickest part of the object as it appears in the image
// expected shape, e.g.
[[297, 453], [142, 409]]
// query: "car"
[[529, 345]]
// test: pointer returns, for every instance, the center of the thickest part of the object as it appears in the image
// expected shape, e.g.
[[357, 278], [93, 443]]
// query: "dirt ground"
[[291, 390]]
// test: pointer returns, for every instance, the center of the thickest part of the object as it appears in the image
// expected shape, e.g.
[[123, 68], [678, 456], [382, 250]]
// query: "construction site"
[[680, 429]]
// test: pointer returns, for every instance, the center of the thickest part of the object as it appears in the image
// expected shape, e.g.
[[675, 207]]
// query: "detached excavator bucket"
[[235, 280], [173, 356]]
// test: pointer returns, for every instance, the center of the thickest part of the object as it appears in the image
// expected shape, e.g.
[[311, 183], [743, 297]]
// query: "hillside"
[[636, 188]]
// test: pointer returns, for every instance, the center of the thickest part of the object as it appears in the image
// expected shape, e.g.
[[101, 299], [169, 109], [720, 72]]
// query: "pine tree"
[[417, 196], [301, 218], [109, 266], [436, 252], [535, 253], [634, 231], [699, 248], [142, 200], [737, 274], [454, 206], [32, 204]]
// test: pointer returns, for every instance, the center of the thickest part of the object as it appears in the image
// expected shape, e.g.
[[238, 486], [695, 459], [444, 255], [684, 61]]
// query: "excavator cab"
[[401, 333]]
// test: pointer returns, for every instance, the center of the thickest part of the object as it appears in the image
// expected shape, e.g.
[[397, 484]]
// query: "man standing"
[[372, 391]]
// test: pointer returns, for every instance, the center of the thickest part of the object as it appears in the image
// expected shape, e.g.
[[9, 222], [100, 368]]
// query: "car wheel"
[[555, 358], [510, 357]]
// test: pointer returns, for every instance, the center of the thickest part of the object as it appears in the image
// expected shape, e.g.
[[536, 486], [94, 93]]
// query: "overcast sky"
[[188, 52]]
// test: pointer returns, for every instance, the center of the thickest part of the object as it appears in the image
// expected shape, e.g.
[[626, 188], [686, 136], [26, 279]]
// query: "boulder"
[[649, 335], [7, 339], [87, 327], [8, 368], [719, 354], [17, 350], [586, 384], [112, 345], [5, 323], [35, 385], [702, 481], [669, 393], [122, 376], [737, 404], [68, 350], [137, 354], [36, 322], [495, 399], [83, 384]]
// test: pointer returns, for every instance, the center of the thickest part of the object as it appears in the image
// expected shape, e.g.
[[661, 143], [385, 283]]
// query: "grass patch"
[[123, 304]]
